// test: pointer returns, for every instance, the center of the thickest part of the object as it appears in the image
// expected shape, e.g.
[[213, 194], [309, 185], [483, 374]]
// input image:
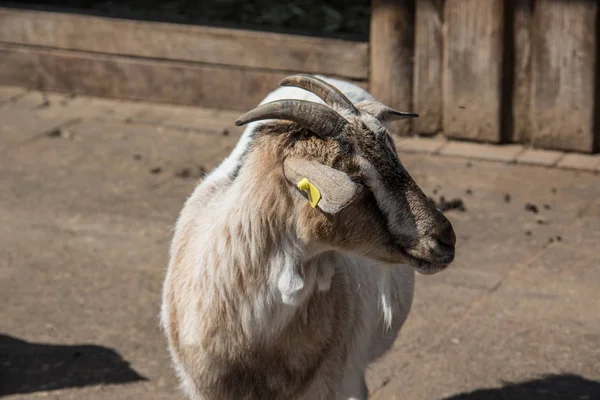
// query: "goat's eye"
[[363, 181]]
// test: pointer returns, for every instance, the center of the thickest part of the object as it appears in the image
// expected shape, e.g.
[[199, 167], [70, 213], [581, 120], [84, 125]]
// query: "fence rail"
[[164, 62]]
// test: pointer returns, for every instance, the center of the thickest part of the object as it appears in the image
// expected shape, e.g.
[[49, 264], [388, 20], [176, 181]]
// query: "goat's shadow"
[[559, 386], [31, 367]]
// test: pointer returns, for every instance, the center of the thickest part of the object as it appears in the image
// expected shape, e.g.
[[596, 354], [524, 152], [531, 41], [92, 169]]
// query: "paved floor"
[[90, 189]]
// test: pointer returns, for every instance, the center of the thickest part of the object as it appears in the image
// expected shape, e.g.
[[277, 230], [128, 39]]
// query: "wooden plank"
[[392, 42], [427, 85], [564, 75], [136, 79], [522, 46], [472, 75], [185, 43]]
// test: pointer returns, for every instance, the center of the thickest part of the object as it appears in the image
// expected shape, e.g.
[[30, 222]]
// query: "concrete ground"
[[89, 192]]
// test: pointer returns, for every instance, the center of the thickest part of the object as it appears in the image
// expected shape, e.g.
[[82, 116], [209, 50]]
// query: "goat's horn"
[[327, 92], [319, 118]]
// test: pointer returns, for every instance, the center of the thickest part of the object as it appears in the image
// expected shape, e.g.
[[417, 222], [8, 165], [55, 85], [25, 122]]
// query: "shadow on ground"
[[563, 387], [31, 367]]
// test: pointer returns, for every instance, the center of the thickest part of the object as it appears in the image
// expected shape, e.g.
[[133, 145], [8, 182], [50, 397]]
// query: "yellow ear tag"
[[313, 193]]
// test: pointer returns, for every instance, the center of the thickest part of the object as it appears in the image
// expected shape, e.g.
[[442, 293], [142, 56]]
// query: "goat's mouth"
[[422, 265]]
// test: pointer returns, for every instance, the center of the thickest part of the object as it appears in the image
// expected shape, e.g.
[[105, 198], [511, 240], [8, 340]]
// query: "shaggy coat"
[[268, 297]]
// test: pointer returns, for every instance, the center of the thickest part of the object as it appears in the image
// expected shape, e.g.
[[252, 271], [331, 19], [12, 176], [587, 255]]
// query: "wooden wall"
[[496, 71], [514, 71]]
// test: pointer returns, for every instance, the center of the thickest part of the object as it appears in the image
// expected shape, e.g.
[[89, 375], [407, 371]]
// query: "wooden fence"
[[163, 62], [514, 71], [518, 71]]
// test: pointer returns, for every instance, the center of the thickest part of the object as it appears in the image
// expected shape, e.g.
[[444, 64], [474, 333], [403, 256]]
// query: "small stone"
[[507, 198], [527, 233], [559, 238], [156, 170], [137, 157], [469, 164], [469, 192], [45, 104], [66, 134], [54, 133], [531, 207], [455, 341], [553, 190], [455, 204], [201, 171], [58, 132], [225, 132], [546, 206], [183, 173], [550, 240]]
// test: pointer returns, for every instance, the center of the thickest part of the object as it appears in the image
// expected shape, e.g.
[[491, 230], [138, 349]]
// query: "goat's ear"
[[324, 187], [382, 112]]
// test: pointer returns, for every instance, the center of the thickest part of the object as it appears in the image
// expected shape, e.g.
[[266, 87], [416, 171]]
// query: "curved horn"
[[327, 92], [319, 118], [383, 112]]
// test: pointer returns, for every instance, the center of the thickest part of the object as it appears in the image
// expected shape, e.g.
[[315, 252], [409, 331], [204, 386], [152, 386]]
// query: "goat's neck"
[[265, 272]]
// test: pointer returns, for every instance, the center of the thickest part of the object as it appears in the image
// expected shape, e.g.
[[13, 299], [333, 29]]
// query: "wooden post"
[[392, 42], [427, 86], [564, 75], [473, 69], [522, 47]]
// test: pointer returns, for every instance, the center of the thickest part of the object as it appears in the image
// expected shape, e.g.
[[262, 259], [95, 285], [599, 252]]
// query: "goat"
[[278, 256]]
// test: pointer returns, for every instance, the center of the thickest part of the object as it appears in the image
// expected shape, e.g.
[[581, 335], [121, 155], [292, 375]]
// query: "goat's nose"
[[447, 235]]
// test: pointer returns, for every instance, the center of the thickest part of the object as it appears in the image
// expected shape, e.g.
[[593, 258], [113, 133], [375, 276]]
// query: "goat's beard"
[[386, 294]]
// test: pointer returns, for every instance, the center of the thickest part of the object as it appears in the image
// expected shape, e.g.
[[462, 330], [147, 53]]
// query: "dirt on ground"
[[91, 189]]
